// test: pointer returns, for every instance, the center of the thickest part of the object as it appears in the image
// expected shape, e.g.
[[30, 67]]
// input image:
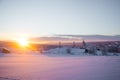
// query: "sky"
[[50, 17]]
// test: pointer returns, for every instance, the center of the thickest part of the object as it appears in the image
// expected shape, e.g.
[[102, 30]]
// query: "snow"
[[58, 64], [63, 52], [74, 52], [30, 66]]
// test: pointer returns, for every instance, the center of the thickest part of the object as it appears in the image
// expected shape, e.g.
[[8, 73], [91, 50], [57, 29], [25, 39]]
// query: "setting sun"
[[22, 41]]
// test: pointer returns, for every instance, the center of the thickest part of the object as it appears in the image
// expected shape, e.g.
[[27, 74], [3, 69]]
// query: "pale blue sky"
[[48, 17]]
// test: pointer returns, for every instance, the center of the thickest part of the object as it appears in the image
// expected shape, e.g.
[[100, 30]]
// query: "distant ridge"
[[78, 38]]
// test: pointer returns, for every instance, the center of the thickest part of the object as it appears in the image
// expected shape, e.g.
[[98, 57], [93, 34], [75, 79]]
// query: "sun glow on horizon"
[[22, 42]]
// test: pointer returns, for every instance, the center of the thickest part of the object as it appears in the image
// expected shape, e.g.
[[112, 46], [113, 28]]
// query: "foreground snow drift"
[[41, 67]]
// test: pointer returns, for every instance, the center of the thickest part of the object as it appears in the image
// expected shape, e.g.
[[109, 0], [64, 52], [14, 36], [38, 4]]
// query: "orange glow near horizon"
[[22, 42]]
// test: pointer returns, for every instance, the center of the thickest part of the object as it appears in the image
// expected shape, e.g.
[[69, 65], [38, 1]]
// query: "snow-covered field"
[[29, 66]]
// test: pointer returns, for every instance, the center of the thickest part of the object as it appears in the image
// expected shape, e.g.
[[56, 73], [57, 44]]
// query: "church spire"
[[84, 44]]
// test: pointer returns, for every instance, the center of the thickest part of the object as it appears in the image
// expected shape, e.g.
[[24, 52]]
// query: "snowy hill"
[[64, 51], [75, 51]]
